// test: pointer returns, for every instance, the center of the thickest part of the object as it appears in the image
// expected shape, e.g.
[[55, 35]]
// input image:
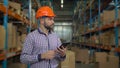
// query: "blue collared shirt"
[[37, 43]]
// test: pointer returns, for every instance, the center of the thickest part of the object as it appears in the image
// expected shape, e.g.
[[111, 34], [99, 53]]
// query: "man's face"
[[49, 23]]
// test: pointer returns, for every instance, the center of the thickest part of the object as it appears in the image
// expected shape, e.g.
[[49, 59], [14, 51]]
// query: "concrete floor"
[[20, 65], [92, 65], [15, 65]]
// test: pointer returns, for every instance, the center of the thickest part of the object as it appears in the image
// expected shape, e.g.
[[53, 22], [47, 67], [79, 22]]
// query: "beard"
[[48, 27]]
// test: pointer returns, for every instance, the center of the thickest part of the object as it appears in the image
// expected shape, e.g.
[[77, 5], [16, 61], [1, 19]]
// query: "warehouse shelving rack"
[[98, 46], [100, 29], [13, 14], [103, 28], [7, 12]]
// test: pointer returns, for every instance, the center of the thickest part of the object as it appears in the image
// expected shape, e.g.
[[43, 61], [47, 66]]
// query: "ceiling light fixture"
[[62, 3]]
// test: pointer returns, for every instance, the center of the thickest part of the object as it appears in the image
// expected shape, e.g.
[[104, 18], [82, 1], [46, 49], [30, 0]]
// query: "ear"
[[41, 21]]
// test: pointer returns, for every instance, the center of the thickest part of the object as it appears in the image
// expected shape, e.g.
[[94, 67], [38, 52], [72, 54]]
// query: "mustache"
[[52, 24]]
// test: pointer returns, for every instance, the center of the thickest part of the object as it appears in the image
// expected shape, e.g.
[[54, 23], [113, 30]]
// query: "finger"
[[63, 48], [60, 49]]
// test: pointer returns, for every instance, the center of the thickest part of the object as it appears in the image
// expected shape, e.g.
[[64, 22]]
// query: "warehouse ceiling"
[[67, 13], [64, 14]]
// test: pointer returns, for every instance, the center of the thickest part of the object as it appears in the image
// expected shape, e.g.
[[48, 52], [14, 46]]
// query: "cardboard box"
[[23, 36], [101, 57], [114, 61], [15, 7], [69, 62], [2, 37], [25, 12], [12, 37], [109, 16], [83, 55], [19, 43], [76, 51], [107, 38]]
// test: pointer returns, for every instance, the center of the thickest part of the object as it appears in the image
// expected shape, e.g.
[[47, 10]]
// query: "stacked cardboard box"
[[107, 61], [82, 55], [101, 57], [15, 7], [12, 36], [69, 62], [14, 31], [19, 43], [109, 16], [113, 62], [2, 37], [23, 36], [25, 12], [76, 50], [107, 38]]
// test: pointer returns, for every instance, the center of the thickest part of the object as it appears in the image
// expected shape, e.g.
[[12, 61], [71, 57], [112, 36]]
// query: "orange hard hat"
[[45, 11]]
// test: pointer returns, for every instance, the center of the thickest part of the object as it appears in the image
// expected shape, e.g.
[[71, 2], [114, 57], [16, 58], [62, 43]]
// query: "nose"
[[52, 21]]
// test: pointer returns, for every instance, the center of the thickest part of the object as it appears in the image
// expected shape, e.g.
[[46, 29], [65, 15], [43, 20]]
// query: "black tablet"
[[64, 45]]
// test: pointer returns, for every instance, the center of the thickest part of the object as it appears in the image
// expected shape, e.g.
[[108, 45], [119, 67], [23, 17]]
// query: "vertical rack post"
[[90, 21], [116, 28], [80, 18], [99, 21], [85, 2], [4, 63], [29, 27], [30, 9]]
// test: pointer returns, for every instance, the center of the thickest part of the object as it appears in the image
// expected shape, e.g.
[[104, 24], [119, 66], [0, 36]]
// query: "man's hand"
[[48, 55], [61, 51]]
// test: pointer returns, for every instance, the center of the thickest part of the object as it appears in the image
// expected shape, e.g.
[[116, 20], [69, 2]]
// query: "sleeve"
[[58, 55], [26, 55]]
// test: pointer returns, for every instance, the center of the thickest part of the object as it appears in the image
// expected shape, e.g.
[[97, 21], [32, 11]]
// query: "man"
[[41, 47]]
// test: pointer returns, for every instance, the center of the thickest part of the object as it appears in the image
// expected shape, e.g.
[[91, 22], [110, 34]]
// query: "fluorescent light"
[[112, 3], [62, 24], [61, 5], [61, 1]]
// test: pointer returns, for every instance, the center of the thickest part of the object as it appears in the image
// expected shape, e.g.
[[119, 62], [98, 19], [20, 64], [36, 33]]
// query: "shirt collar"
[[41, 32]]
